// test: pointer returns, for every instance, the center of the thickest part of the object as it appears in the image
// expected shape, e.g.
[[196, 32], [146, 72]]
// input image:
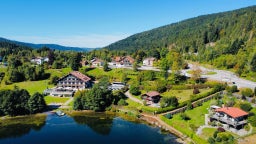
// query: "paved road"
[[221, 75], [227, 76]]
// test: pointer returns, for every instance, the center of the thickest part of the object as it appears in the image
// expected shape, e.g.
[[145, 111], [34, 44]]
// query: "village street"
[[221, 75]]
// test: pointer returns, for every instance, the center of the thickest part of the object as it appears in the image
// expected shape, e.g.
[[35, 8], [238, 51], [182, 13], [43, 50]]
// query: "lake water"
[[86, 130]]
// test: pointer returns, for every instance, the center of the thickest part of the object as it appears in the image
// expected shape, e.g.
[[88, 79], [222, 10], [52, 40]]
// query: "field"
[[30, 86], [52, 99], [189, 127], [182, 95], [36, 86], [113, 75]]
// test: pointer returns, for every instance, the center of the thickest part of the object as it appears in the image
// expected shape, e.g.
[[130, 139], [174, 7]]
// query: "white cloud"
[[91, 41]]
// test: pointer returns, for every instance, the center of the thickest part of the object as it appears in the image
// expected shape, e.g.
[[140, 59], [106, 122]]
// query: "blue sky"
[[97, 23]]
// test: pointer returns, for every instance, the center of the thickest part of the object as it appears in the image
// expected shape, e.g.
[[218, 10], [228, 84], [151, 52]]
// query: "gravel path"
[[127, 94]]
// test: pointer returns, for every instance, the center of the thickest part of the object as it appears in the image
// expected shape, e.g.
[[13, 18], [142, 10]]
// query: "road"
[[227, 76], [221, 75], [127, 94]]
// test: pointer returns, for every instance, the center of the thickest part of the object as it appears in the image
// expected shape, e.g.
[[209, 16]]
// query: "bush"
[[218, 139], [189, 105], [211, 140], [193, 127], [215, 134], [252, 120], [247, 127], [169, 101], [169, 116], [255, 91], [135, 90], [196, 91], [53, 80], [184, 116], [246, 106], [122, 102], [247, 92], [220, 129]]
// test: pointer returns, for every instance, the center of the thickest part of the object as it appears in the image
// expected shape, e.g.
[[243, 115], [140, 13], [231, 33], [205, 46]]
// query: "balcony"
[[228, 121]]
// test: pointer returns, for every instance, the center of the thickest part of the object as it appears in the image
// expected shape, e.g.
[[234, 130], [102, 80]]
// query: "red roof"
[[232, 111], [80, 76], [153, 93]]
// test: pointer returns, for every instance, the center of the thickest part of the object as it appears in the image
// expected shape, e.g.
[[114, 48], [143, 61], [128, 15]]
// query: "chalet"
[[149, 61], [75, 80], [231, 116], [151, 97], [97, 62], [123, 61]]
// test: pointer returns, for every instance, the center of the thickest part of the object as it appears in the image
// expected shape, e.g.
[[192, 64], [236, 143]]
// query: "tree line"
[[19, 102]]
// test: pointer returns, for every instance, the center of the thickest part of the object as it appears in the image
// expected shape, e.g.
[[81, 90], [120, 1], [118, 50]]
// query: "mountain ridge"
[[192, 30], [51, 46]]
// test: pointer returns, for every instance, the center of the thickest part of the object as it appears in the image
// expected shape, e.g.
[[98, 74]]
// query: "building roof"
[[131, 60], [81, 76], [78, 75], [152, 93], [97, 60], [232, 111], [150, 59]]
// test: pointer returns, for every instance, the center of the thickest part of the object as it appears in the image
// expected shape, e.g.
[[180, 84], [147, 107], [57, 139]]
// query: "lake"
[[102, 129]]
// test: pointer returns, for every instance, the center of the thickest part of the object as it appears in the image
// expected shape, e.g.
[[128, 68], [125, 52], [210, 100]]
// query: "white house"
[[149, 61]]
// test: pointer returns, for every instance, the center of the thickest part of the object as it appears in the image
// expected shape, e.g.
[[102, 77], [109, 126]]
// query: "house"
[[39, 60], [122, 61], [116, 86], [97, 62], [75, 80], [149, 61], [231, 116], [151, 97]]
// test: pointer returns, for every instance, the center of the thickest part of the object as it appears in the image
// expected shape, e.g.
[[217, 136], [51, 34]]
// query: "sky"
[[98, 23]]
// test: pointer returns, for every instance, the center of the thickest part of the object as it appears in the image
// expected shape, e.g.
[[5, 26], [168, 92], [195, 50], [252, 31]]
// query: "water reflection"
[[17, 127], [101, 124]]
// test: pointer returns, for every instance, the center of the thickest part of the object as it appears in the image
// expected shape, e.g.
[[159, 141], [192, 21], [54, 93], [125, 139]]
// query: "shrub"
[[211, 140], [220, 129], [169, 116], [247, 92], [196, 91], [184, 116], [252, 120], [135, 90], [189, 105], [169, 101], [247, 127], [218, 139], [193, 127], [122, 102], [215, 134], [246, 106], [255, 91], [53, 80]]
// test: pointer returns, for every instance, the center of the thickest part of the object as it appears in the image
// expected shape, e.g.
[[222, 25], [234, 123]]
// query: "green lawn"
[[37, 86], [183, 95], [30, 86], [52, 99], [207, 132], [186, 127], [132, 105]]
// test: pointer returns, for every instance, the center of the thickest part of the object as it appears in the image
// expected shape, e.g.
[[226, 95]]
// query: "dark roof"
[[152, 93], [78, 75], [232, 111], [81, 76]]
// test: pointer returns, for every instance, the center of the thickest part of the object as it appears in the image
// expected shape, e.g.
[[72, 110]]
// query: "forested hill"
[[220, 30], [37, 46]]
